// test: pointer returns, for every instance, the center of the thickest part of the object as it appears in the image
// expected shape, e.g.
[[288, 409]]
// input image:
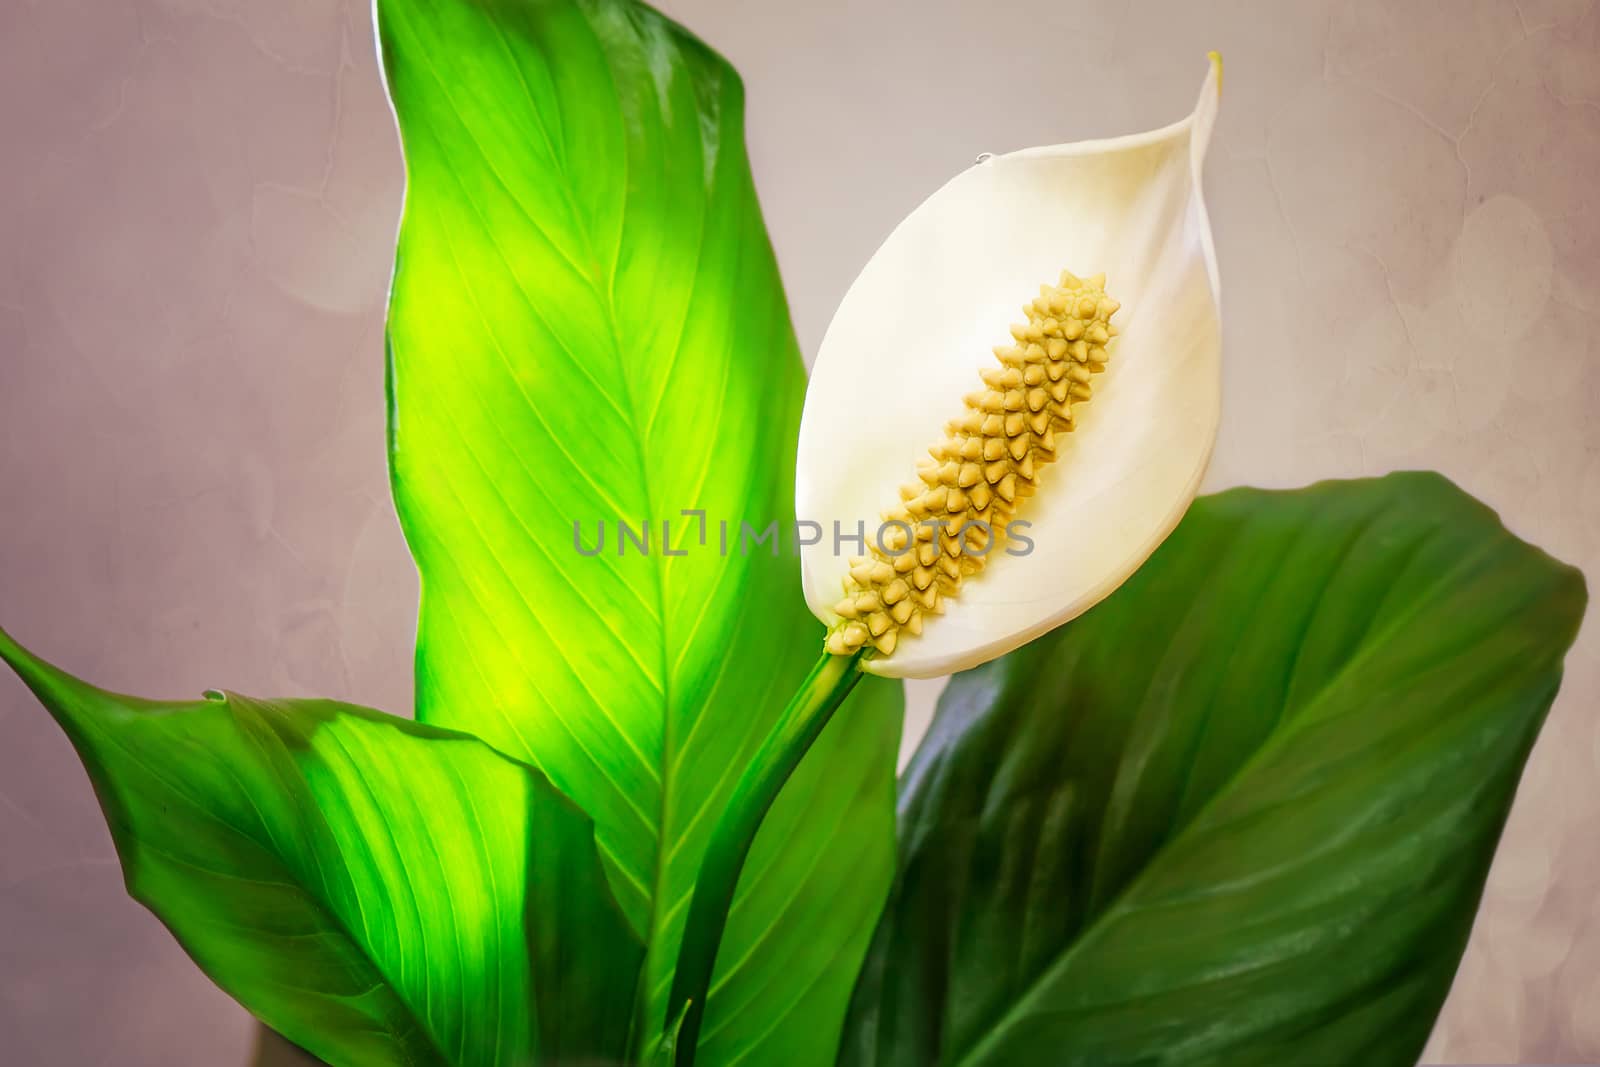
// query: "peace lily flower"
[[1001, 491], [997, 491]]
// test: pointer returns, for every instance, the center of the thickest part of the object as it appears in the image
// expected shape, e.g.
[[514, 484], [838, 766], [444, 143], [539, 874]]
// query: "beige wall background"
[[197, 199]]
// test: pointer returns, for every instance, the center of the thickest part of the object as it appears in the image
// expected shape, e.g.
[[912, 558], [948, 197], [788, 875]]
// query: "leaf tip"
[[33, 671], [70, 700]]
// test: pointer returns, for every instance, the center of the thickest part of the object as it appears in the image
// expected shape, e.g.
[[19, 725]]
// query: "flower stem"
[[809, 711]]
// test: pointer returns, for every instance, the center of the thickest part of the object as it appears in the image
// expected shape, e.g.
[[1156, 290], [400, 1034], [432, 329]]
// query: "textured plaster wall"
[[196, 204]]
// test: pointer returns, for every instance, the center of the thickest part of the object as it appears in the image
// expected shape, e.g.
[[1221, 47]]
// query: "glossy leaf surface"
[[1239, 813], [587, 326], [382, 893]]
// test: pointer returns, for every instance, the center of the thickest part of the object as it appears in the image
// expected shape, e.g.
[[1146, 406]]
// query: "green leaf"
[[371, 888], [586, 326], [1239, 813]]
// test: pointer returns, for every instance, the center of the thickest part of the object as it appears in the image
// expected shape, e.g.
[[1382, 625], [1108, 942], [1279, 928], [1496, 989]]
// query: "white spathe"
[[921, 320]]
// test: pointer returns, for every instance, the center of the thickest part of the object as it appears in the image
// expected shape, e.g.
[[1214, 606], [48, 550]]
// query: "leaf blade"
[[1271, 845], [332, 868]]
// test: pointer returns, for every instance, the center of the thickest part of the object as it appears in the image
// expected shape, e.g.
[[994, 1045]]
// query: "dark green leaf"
[[1241, 812], [587, 326], [371, 888]]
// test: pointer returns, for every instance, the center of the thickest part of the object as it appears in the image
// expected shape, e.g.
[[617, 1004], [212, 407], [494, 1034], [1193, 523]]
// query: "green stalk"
[[809, 711]]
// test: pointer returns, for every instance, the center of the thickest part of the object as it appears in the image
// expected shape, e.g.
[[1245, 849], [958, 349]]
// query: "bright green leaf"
[[371, 888], [1241, 812], [587, 325]]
